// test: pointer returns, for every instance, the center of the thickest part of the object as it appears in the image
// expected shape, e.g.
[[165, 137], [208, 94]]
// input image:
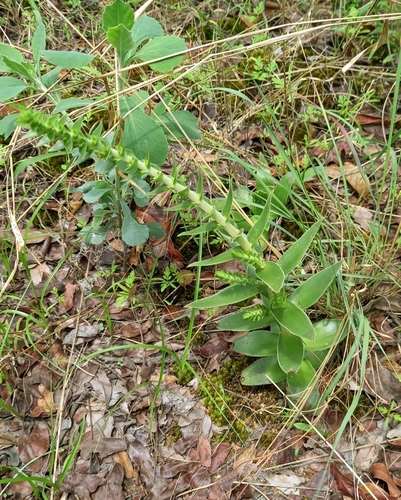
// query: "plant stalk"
[[55, 128]]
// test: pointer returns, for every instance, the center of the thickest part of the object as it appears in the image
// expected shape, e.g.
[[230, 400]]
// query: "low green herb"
[[289, 346]]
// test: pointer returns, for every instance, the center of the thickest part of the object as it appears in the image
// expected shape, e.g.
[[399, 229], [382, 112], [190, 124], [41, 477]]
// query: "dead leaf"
[[204, 451], [216, 345], [372, 491], [352, 175], [44, 404], [32, 448], [117, 244], [363, 217], [68, 295], [185, 277], [89, 481], [371, 120], [112, 489], [380, 471], [219, 455], [345, 484]]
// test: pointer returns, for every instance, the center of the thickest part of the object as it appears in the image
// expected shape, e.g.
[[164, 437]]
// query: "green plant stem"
[[55, 129]]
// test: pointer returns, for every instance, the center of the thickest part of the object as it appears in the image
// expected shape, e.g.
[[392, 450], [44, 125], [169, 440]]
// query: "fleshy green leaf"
[[230, 295], [272, 275], [145, 138], [204, 228], [257, 343], [10, 87], [228, 204], [310, 291], [263, 371], [293, 319], [261, 224], [297, 251], [132, 232], [326, 332], [187, 125], [121, 39], [118, 13], [300, 381], [290, 352], [213, 261], [71, 103], [315, 358], [237, 323], [165, 46], [67, 59]]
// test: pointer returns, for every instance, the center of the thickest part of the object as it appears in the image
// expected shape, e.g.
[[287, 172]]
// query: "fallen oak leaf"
[[345, 484], [372, 491], [380, 471], [205, 451]]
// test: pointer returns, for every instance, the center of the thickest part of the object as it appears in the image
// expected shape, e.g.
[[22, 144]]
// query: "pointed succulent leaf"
[[213, 261], [117, 13], [96, 194], [228, 204], [272, 275], [261, 224], [257, 343], [263, 371], [24, 69], [315, 358], [230, 295], [236, 322], [294, 320], [310, 291], [204, 228], [297, 251], [162, 106], [290, 352], [299, 381], [326, 333]]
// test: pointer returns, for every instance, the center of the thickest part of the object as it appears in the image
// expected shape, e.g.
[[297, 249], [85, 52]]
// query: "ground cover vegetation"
[[200, 249]]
